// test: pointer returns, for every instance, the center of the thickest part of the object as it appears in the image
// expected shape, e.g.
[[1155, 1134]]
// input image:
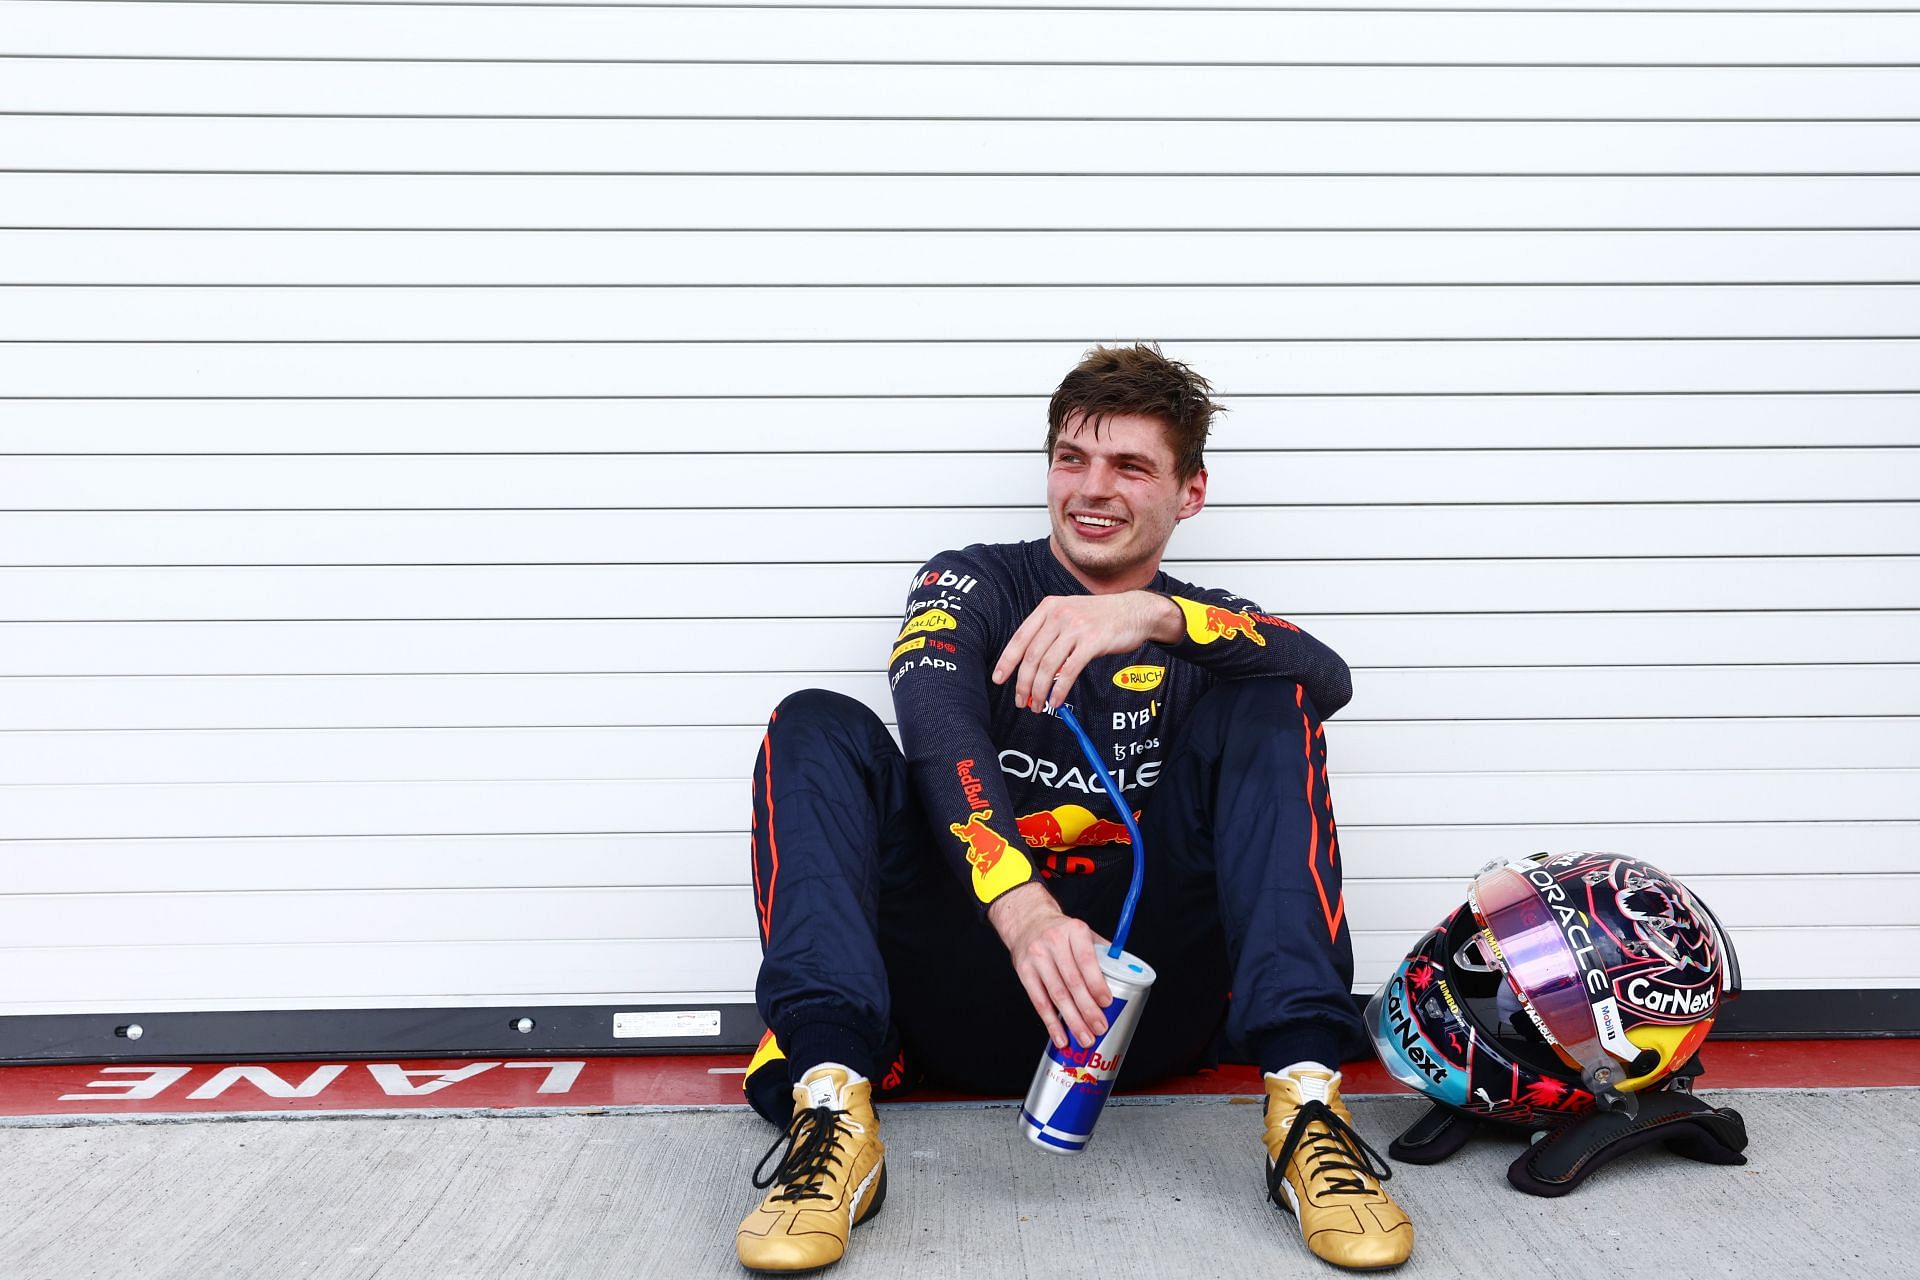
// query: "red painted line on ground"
[[587, 1084], [1810, 1064]]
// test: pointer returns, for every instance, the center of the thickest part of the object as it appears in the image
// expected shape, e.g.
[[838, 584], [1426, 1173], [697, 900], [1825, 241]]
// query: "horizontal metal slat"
[[440, 914], [1309, 315], [469, 755], [383, 701], [955, 257], [726, 595], [185, 978], [429, 202], [792, 35], [688, 804], [573, 369], [740, 536], [181, 978], [559, 646], [1707, 852], [457, 915], [1170, 92], [1178, 6], [857, 424], [403, 145], [855, 481]]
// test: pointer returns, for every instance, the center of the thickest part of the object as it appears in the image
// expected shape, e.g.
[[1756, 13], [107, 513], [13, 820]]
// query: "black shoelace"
[[813, 1145], [1331, 1152]]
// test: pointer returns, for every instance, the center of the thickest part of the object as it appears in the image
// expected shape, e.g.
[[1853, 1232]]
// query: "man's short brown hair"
[[1138, 380]]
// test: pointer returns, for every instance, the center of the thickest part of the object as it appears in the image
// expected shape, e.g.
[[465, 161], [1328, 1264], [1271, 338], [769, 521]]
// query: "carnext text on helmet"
[[1403, 1027]]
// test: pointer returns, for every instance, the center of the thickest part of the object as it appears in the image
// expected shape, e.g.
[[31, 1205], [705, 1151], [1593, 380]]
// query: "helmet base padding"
[[1683, 1123], [1434, 1136], [1565, 1156]]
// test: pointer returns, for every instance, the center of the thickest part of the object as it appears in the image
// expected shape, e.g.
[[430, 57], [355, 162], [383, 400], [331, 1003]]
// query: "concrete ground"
[[1168, 1189]]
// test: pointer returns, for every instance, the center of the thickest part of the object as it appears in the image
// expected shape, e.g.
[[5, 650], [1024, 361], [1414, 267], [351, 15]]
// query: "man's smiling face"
[[1114, 497]]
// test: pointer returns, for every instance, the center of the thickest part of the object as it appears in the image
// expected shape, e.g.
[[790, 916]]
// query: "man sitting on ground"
[[909, 905]]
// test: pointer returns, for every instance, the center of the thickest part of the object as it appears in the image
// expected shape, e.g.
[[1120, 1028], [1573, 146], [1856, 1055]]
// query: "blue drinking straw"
[[1065, 713]]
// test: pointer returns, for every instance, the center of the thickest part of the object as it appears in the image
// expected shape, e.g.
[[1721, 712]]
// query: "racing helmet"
[[1565, 982]]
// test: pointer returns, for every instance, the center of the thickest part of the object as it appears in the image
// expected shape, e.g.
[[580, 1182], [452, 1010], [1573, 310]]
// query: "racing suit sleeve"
[[955, 625], [1230, 637]]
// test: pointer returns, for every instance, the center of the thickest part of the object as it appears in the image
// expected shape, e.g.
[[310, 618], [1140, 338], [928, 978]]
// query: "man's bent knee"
[[824, 712], [1259, 700]]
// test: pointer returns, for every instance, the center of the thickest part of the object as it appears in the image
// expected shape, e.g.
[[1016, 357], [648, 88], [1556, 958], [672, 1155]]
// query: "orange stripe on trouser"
[[1331, 911], [1333, 828], [768, 1049], [764, 905]]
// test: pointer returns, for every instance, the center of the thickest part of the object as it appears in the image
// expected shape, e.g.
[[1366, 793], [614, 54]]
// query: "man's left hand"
[[1055, 957], [1060, 637]]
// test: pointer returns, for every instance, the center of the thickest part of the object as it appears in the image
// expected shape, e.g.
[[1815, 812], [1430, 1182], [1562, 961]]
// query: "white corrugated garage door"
[[435, 436]]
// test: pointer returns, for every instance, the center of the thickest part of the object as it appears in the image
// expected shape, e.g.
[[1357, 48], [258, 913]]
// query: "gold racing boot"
[[1326, 1175], [832, 1177]]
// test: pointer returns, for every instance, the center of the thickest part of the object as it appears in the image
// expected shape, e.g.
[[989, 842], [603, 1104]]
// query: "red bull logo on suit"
[[1207, 623], [1227, 624], [997, 865], [984, 844], [1071, 826]]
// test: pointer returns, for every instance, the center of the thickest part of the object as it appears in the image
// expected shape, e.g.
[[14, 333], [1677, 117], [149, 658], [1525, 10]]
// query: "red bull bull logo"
[[1104, 832], [1207, 623], [985, 846], [1080, 1077], [1071, 826], [1227, 624], [1042, 830], [997, 866]]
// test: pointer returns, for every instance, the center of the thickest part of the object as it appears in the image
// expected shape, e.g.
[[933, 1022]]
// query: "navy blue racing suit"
[[873, 867]]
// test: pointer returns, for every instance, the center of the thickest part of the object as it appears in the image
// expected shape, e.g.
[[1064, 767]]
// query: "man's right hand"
[[1056, 958]]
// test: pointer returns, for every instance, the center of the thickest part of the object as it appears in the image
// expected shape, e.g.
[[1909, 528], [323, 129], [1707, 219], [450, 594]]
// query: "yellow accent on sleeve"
[[997, 865], [1012, 871], [1209, 622], [931, 620]]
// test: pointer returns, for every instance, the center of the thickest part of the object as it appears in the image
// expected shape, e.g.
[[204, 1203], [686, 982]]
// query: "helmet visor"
[[1528, 945]]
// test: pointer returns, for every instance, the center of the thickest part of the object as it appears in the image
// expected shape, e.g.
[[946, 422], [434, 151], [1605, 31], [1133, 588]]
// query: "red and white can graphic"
[[1072, 1084]]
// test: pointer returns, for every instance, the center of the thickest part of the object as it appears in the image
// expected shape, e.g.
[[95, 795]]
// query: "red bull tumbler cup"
[[1072, 1084]]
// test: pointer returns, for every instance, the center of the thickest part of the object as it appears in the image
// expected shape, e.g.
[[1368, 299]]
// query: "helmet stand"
[[1562, 1160]]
